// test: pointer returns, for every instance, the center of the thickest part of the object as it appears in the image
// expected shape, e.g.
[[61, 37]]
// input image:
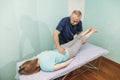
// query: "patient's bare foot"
[[94, 30]]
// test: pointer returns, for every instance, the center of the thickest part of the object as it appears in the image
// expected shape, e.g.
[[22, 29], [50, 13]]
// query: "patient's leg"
[[91, 32], [78, 36], [76, 43], [74, 48], [86, 32], [68, 44]]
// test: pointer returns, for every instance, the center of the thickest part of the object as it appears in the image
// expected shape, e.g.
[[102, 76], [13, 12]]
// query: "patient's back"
[[48, 59]]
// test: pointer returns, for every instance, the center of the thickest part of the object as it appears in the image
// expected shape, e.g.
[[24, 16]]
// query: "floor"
[[107, 71]]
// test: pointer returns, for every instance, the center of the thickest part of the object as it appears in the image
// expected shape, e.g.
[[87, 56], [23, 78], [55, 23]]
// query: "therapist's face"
[[74, 19]]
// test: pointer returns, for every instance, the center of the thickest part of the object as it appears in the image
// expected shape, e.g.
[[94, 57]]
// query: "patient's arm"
[[62, 65]]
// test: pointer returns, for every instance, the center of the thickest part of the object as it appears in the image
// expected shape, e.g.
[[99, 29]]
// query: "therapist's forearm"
[[56, 39]]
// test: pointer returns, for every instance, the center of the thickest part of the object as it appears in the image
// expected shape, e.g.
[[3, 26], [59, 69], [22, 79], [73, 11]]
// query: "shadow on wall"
[[46, 36], [29, 33], [35, 34], [39, 37]]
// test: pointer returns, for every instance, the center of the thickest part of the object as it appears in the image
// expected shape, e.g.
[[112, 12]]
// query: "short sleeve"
[[61, 25]]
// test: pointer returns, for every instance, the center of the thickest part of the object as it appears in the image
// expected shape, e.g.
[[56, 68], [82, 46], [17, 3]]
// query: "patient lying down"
[[53, 60]]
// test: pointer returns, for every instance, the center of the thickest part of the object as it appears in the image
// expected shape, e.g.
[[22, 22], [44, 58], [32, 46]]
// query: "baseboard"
[[110, 61]]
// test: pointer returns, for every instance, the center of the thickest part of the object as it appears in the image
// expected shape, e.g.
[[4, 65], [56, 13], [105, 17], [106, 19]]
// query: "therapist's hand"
[[61, 50]]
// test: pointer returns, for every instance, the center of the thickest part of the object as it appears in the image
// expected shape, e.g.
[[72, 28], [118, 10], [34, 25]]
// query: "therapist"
[[67, 28]]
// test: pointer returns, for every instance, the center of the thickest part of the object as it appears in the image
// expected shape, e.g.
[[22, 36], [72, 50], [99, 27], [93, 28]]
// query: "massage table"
[[86, 54]]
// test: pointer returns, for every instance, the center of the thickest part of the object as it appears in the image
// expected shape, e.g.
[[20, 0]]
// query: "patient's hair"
[[29, 67]]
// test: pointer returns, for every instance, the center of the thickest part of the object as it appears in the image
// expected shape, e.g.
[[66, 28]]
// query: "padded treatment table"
[[86, 53]]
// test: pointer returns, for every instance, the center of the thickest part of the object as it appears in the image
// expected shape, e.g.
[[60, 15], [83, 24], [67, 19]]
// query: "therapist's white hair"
[[77, 12]]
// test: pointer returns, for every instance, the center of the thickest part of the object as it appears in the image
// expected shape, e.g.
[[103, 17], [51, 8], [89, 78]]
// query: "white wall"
[[76, 5]]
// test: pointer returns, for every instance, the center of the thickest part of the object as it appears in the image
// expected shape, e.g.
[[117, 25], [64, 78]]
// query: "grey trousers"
[[74, 45]]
